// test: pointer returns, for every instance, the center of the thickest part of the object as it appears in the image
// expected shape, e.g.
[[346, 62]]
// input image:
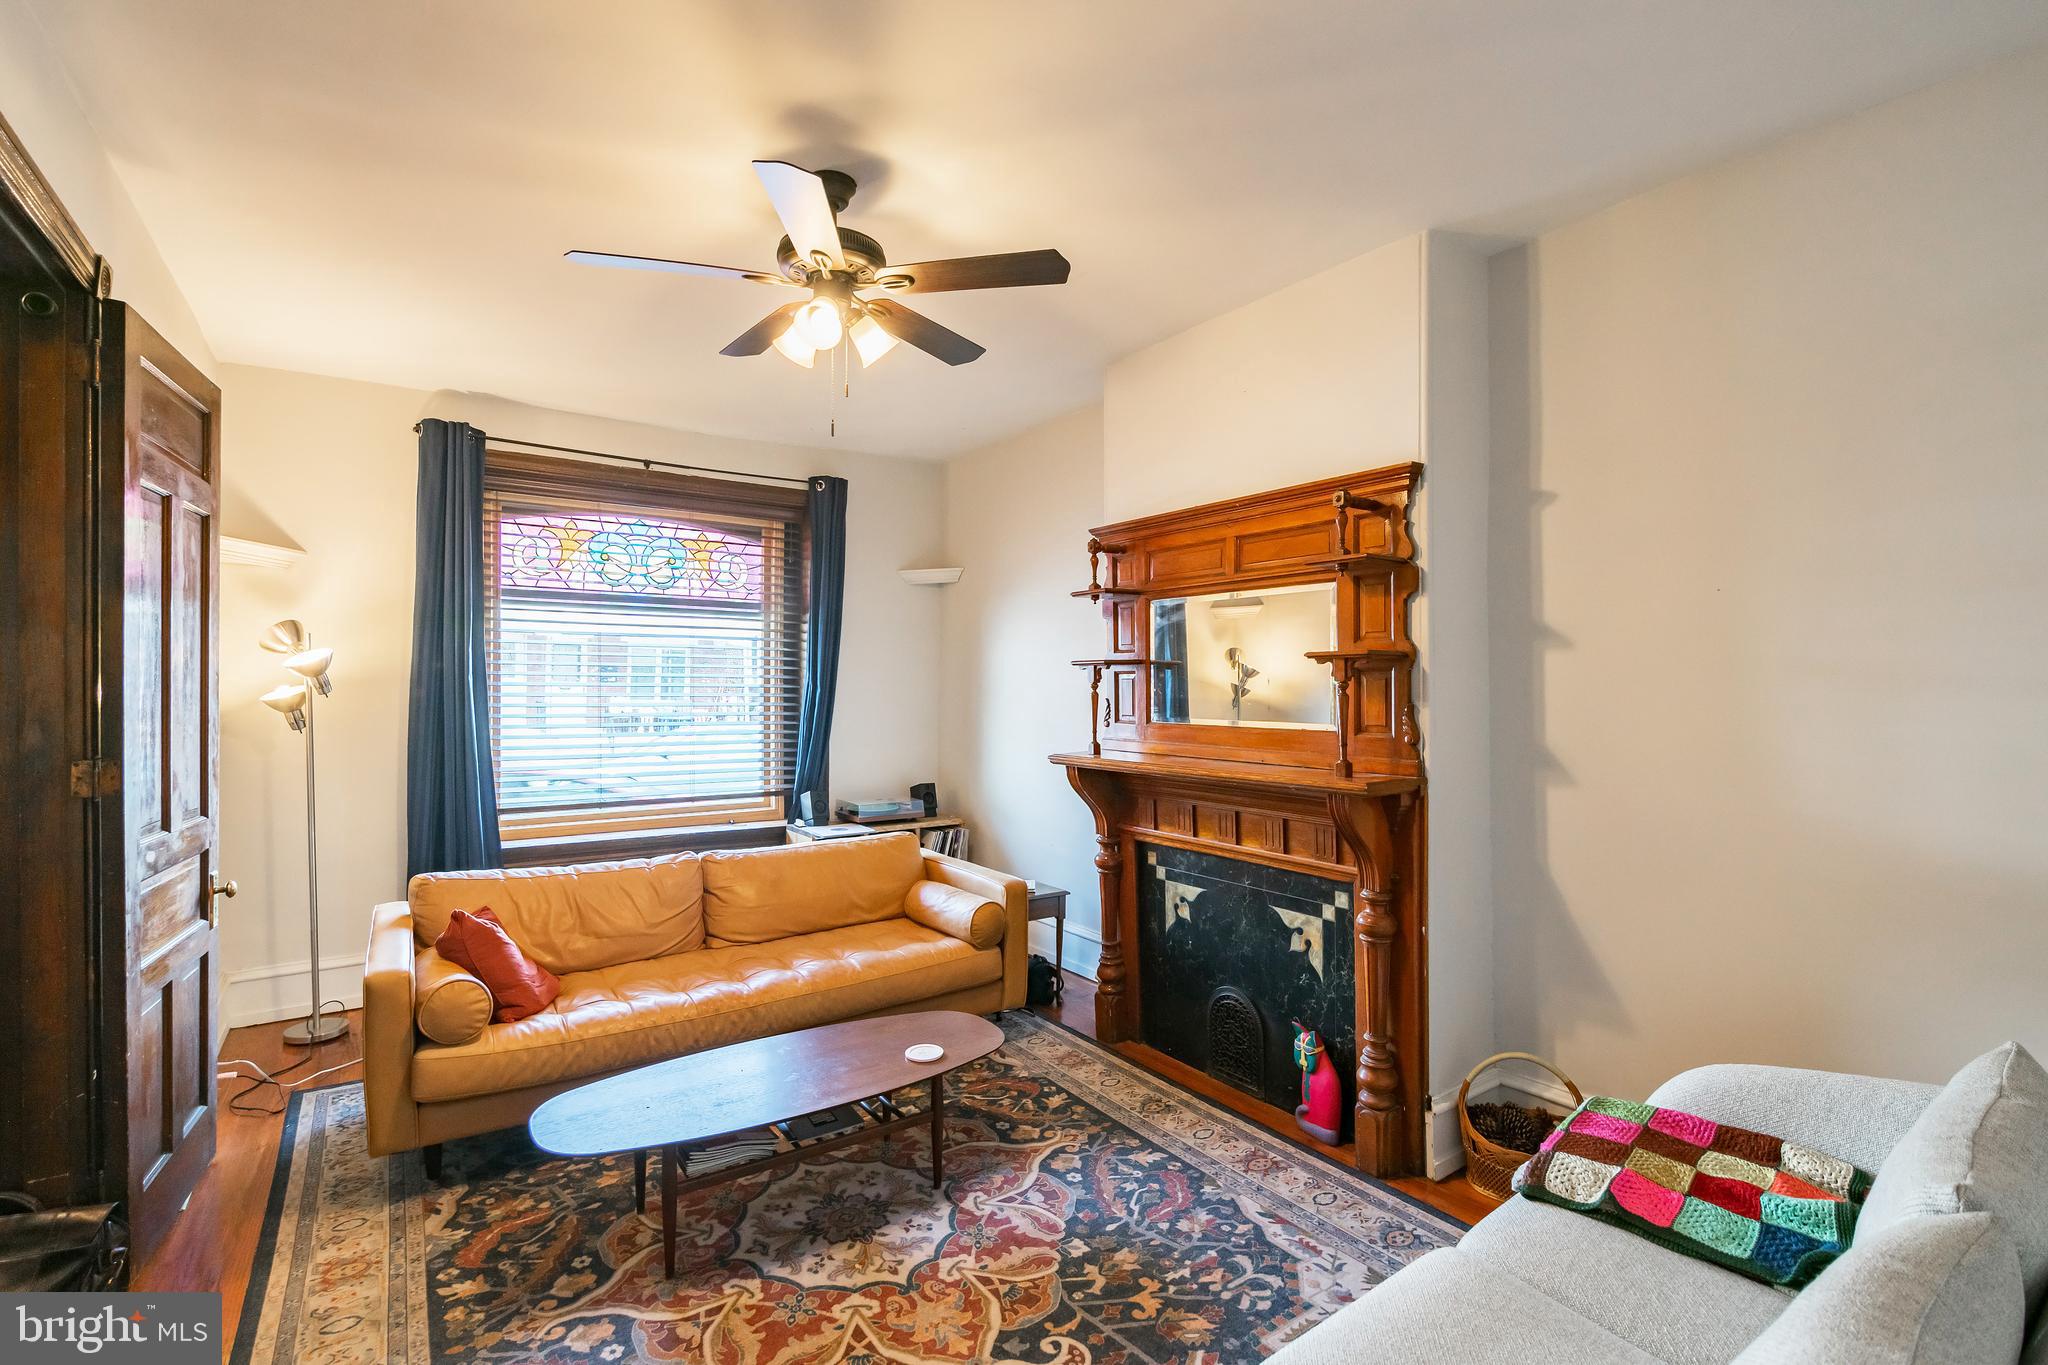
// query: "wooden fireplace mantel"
[[1348, 805]]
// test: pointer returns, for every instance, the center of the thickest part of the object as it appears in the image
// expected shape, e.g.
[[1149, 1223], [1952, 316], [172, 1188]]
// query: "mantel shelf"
[[1326, 656], [1244, 774], [1360, 561]]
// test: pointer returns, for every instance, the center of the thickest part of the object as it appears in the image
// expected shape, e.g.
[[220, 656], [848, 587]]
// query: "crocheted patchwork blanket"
[[1763, 1207]]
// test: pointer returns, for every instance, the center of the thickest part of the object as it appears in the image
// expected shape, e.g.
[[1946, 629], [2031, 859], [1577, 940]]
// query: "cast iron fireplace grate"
[[1237, 1040]]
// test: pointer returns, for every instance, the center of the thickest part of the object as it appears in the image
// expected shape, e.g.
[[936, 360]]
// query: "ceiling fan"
[[848, 278]]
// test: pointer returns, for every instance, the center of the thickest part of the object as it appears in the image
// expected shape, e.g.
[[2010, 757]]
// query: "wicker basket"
[[1488, 1165]]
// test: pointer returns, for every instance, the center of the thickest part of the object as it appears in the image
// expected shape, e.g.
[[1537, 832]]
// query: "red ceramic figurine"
[[1321, 1110]]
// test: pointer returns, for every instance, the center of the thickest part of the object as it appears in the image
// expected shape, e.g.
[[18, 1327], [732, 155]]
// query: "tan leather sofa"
[[660, 957]]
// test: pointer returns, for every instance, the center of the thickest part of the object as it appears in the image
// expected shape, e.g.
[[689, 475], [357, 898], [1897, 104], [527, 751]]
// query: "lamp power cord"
[[236, 1102]]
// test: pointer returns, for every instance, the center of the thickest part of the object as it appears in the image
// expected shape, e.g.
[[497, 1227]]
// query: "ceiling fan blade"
[[762, 334], [675, 267], [805, 211], [921, 332], [1006, 271]]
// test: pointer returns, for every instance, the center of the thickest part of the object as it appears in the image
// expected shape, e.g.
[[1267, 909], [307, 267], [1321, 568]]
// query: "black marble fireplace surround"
[[1208, 924]]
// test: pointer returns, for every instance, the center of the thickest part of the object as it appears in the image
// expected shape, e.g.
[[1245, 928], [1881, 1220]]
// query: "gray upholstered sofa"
[[1950, 1254]]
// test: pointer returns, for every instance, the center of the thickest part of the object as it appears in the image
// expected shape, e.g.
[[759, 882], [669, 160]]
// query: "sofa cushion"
[[1673, 1307], [1448, 1306], [478, 944], [763, 894], [450, 1005], [576, 919], [950, 910], [1857, 1118], [647, 1011], [1980, 1146], [1928, 1288]]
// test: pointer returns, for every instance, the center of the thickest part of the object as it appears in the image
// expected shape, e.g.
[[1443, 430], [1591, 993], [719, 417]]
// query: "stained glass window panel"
[[644, 661], [594, 552]]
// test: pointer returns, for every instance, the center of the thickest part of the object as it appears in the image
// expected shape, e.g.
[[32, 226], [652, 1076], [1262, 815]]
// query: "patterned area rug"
[[1092, 1215]]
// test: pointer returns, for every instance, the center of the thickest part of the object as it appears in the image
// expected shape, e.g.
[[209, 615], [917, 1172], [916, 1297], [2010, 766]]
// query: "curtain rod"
[[640, 460]]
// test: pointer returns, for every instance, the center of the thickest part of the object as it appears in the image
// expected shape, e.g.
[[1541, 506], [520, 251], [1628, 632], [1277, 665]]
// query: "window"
[[645, 645]]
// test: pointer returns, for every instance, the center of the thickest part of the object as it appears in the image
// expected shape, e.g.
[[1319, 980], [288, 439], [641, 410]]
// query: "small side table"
[[1050, 902]]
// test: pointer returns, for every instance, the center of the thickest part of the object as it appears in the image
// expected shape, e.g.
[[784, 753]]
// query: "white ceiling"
[[382, 189]]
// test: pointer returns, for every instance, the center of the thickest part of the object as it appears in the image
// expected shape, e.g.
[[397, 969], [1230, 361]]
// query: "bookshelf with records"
[[944, 834]]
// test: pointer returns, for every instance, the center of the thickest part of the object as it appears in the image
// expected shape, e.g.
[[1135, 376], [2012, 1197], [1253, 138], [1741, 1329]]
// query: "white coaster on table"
[[923, 1052]]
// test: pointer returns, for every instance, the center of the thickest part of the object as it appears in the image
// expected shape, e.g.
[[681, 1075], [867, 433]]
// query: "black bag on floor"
[[1042, 983], [69, 1250]]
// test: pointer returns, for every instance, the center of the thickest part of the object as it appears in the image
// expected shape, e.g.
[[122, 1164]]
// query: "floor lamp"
[[294, 701]]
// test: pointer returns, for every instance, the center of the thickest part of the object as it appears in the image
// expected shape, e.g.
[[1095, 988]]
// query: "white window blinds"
[[644, 637]]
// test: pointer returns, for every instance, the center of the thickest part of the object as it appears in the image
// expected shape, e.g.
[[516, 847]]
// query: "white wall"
[[1321, 378], [330, 466], [1771, 640], [1017, 519], [36, 98], [1454, 679]]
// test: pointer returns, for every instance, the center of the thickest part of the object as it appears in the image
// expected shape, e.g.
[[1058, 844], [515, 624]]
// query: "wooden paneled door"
[[160, 419], [48, 1121]]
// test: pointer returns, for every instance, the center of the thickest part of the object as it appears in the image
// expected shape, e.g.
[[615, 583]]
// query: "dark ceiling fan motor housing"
[[833, 262]]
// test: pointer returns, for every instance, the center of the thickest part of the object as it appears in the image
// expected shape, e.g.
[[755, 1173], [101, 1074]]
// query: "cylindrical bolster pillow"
[[450, 1006], [966, 916]]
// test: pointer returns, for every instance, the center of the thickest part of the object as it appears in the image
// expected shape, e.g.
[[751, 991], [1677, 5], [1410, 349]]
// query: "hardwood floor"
[[214, 1241]]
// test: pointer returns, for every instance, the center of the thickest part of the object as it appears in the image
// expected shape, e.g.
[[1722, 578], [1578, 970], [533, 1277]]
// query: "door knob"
[[220, 888]]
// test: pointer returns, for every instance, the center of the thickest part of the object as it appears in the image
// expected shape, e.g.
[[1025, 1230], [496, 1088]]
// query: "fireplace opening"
[[1237, 1041], [1229, 953]]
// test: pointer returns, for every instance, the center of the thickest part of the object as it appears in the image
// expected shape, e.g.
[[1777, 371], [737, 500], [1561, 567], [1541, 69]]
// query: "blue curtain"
[[451, 797], [1170, 660], [821, 644]]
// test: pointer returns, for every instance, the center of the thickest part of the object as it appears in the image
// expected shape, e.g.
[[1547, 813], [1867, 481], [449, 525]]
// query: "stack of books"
[[757, 1144], [737, 1150]]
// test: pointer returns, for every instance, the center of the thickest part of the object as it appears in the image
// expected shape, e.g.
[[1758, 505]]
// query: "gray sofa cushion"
[[1857, 1118], [1929, 1289], [1980, 1146], [1672, 1307], [1448, 1306]]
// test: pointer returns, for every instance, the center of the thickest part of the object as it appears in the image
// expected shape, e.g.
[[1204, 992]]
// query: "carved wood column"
[[1365, 825], [1113, 1022]]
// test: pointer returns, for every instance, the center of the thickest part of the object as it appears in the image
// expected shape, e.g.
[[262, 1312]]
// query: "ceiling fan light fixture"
[[819, 324], [870, 340], [794, 347]]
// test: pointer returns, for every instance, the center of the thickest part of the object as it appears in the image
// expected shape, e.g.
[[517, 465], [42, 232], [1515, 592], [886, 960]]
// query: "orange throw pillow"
[[479, 945]]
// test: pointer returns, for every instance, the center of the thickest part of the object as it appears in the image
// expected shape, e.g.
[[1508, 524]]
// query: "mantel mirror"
[[1240, 658]]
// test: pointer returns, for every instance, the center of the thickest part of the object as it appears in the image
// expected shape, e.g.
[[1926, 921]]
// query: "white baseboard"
[[284, 990], [1084, 947], [1443, 1147]]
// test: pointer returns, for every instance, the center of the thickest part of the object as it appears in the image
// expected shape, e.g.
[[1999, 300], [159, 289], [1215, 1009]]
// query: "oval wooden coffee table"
[[763, 1083]]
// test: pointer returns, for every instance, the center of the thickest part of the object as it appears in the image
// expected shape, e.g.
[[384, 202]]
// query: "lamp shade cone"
[[287, 637]]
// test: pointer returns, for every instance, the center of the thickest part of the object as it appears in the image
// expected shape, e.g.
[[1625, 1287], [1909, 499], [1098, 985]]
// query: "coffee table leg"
[[938, 1130], [640, 1180], [671, 1158]]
